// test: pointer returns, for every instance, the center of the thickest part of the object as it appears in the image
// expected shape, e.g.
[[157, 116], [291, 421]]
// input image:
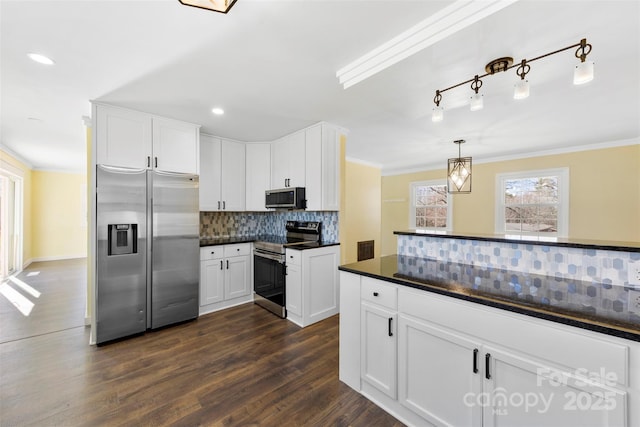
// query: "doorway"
[[10, 223]]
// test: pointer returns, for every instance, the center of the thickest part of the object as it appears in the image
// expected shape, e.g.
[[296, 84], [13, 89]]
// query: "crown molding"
[[363, 162], [476, 161], [16, 156], [435, 28]]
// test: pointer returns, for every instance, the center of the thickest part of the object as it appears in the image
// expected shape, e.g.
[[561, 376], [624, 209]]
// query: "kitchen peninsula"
[[450, 318]]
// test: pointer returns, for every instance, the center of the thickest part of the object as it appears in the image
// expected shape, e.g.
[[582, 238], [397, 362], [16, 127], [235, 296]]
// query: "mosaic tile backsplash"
[[593, 279], [234, 224]]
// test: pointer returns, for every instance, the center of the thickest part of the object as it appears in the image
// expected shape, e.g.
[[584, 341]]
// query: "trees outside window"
[[533, 203], [430, 206]]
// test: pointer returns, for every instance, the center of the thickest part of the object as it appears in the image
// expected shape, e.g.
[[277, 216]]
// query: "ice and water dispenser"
[[123, 239]]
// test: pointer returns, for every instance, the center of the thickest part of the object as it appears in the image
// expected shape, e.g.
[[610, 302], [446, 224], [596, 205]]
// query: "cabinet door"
[[279, 163], [123, 137], [378, 356], [210, 160], [293, 291], [297, 159], [525, 392], [237, 277], [175, 146], [211, 281], [258, 173], [313, 168], [233, 176], [436, 370], [321, 283], [330, 173]]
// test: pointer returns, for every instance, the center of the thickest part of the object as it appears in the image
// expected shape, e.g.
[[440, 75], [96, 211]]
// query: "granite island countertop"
[[524, 293]]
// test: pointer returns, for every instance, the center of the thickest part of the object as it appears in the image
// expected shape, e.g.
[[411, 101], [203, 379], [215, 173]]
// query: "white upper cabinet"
[[258, 175], [175, 146], [222, 174], [322, 168], [288, 161], [210, 160], [311, 159], [123, 137], [132, 139], [233, 175]]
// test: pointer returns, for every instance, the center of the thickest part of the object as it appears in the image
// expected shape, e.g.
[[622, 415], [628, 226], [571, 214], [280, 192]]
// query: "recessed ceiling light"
[[217, 111], [41, 58]]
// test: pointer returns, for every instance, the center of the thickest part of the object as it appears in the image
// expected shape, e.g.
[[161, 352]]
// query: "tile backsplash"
[[596, 279], [232, 224], [606, 266]]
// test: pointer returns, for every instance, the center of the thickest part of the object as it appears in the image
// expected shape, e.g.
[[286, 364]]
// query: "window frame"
[[563, 201], [412, 205]]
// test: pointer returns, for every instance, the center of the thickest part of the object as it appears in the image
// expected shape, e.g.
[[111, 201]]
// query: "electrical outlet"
[[633, 271], [634, 302]]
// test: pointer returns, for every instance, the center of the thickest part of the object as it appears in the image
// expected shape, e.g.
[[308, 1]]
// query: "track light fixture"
[[583, 73]]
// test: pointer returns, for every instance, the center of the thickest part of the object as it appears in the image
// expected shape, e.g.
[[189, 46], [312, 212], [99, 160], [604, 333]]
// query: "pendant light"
[[459, 172]]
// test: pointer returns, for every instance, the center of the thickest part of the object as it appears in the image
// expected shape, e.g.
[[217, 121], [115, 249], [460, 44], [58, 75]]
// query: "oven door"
[[269, 281]]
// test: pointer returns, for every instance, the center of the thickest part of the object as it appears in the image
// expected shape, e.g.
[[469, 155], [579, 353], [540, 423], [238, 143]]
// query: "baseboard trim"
[[56, 258]]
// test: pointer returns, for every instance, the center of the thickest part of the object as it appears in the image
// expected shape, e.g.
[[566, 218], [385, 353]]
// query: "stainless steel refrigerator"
[[147, 269]]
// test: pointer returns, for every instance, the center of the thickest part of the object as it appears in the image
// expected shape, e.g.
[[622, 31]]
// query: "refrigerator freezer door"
[[121, 277], [175, 248]]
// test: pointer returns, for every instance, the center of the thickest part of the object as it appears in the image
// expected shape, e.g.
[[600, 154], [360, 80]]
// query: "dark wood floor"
[[238, 367]]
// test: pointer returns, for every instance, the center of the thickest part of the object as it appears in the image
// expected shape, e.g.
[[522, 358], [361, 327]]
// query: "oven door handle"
[[269, 255]]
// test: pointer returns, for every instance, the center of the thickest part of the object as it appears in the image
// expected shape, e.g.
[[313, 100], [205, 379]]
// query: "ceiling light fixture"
[[39, 58], [217, 111], [583, 73], [459, 172], [221, 6]]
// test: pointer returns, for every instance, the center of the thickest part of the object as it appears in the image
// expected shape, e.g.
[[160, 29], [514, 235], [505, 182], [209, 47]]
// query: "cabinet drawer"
[[294, 257], [237, 249], [210, 252], [379, 293]]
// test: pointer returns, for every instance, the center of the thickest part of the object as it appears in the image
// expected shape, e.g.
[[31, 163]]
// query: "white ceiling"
[[272, 66]]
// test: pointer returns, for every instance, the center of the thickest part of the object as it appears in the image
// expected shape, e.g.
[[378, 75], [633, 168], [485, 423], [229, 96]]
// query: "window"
[[430, 205], [534, 203]]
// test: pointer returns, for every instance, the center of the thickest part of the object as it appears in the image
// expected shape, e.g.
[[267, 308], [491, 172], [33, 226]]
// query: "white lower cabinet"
[[458, 363], [225, 276], [430, 355], [312, 284], [378, 352]]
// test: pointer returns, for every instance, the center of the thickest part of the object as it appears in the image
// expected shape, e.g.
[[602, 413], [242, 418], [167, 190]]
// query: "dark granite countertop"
[[310, 245], [227, 240], [523, 293], [608, 245], [249, 239]]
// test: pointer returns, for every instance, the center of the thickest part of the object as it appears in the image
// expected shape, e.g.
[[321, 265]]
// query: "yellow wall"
[[361, 209], [59, 223], [604, 201], [26, 223]]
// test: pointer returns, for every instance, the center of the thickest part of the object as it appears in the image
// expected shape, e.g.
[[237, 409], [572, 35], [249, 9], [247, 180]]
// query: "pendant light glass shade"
[[521, 89], [437, 115], [583, 73], [476, 103]]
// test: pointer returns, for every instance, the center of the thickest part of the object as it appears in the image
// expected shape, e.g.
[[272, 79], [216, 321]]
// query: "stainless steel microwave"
[[286, 198]]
